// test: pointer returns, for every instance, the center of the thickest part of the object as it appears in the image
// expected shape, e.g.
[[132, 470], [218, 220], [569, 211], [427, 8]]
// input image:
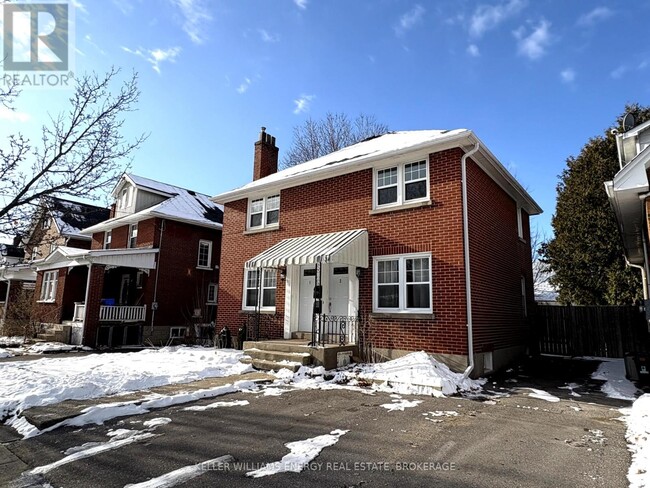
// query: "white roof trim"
[[62, 257], [347, 247], [20, 272]]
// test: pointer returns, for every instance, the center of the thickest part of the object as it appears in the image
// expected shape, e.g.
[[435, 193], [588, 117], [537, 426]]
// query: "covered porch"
[[104, 298], [321, 315]]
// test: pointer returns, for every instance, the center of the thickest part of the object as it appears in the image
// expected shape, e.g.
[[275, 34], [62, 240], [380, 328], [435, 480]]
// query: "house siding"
[[343, 203], [498, 260]]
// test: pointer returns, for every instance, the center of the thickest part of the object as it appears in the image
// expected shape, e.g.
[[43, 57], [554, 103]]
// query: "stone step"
[[303, 358], [267, 365], [301, 335], [277, 346]]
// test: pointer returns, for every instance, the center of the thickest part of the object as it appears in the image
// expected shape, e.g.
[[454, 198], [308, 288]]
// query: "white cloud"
[[473, 50], [195, 15], [303, 103], [79, 6], [243, 88], [534, 45], [596, 15], [155, 56], [124, 6], [619, 72], [488, 17], [13, 115], [267, 36], [408, 20], [301, 3], [568, 75]]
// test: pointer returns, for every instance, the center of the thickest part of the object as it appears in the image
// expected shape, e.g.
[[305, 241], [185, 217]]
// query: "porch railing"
[[336, 329], [109, 313], [79, 312]]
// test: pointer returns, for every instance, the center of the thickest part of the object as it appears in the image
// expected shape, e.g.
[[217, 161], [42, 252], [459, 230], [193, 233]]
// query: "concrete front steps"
[[56, 333], [294, 353]]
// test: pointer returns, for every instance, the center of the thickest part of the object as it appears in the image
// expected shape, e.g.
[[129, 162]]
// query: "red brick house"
[[151, 271], [419, 240]]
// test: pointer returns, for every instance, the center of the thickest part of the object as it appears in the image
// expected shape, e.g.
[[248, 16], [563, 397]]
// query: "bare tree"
[[315, 138], [81, 152]]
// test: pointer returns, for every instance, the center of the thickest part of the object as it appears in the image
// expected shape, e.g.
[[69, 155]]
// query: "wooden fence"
[[602, 331]]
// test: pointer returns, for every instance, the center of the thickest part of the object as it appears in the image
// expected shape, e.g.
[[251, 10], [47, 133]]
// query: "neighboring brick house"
[[151, 271], [381, 225], [58, 222]]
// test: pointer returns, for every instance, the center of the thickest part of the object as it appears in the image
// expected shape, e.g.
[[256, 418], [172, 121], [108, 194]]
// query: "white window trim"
[[48, 286], [108, 236], [133, 235], [520, 223], [402, 284], [401, 183], [261, 291], [264, 225], [198, 256], [177, 329], [207, 298]]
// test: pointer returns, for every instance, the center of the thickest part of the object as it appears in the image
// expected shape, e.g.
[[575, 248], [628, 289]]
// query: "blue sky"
[[533, 79]]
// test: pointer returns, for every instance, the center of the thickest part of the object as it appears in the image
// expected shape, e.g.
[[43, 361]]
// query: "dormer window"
[[46, 223], [401, 184], [264, 212]]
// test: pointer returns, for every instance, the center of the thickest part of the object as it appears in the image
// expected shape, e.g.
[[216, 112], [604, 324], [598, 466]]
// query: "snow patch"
[[400, 405], [183, 475], [5, 354], [612, 371], [302, 453], [201, 408], [637, 418], [541, 395]]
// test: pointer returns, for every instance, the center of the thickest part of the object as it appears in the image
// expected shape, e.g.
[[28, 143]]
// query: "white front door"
[[307, 282], [339, 291]]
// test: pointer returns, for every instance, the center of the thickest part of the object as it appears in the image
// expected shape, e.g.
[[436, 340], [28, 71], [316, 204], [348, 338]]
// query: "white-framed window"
[[402, 283], [133, 235], [253, 285], [212, 293], [177, 332], [524, 305], [139, 279], [401, 184], [520, 223], [205, 254], [264, 212], [48, 286], [108, 235], [46, 223], [53, 246]]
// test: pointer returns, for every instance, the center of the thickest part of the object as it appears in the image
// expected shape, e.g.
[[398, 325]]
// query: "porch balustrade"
[[109, 313]]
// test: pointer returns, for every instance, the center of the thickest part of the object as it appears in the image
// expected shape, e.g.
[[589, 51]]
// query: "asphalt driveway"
[[507, 439]]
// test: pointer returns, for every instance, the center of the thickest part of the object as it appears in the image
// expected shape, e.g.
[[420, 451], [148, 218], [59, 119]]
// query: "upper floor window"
[[520, 223], [46, 223], [48, 286], [401, 184], [264, 212], [212, 293], [254, 283], [133, 235], [402, 283], [107, 239], [205, 254]]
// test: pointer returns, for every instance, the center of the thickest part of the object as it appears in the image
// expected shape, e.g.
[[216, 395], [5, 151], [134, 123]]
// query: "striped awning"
[[348, 247]]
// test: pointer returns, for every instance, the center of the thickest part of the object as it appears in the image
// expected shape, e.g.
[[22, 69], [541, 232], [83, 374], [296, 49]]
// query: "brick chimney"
[[266, 156]]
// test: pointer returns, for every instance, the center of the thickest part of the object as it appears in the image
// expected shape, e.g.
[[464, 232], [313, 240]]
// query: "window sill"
[[403, 315], [204, 268], [262, 311], [262, 229], [522, 240], [46, 301], [405, 206]]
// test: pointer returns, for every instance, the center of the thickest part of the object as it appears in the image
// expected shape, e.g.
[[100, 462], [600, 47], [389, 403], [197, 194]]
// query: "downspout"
[[644, 278], [6, 306], [155, 287], [468, 281]]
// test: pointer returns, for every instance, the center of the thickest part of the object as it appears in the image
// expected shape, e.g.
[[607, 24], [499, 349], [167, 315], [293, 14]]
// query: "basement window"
[[177, 332]]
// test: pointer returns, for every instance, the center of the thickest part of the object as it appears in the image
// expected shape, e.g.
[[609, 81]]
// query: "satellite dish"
[[628, 122]]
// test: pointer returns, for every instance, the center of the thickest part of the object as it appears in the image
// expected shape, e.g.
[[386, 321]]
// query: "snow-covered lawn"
[[16, 346], [48, 381]]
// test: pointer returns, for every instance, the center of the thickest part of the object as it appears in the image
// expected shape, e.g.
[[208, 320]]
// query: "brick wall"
[[343, 203], [498, 260]]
